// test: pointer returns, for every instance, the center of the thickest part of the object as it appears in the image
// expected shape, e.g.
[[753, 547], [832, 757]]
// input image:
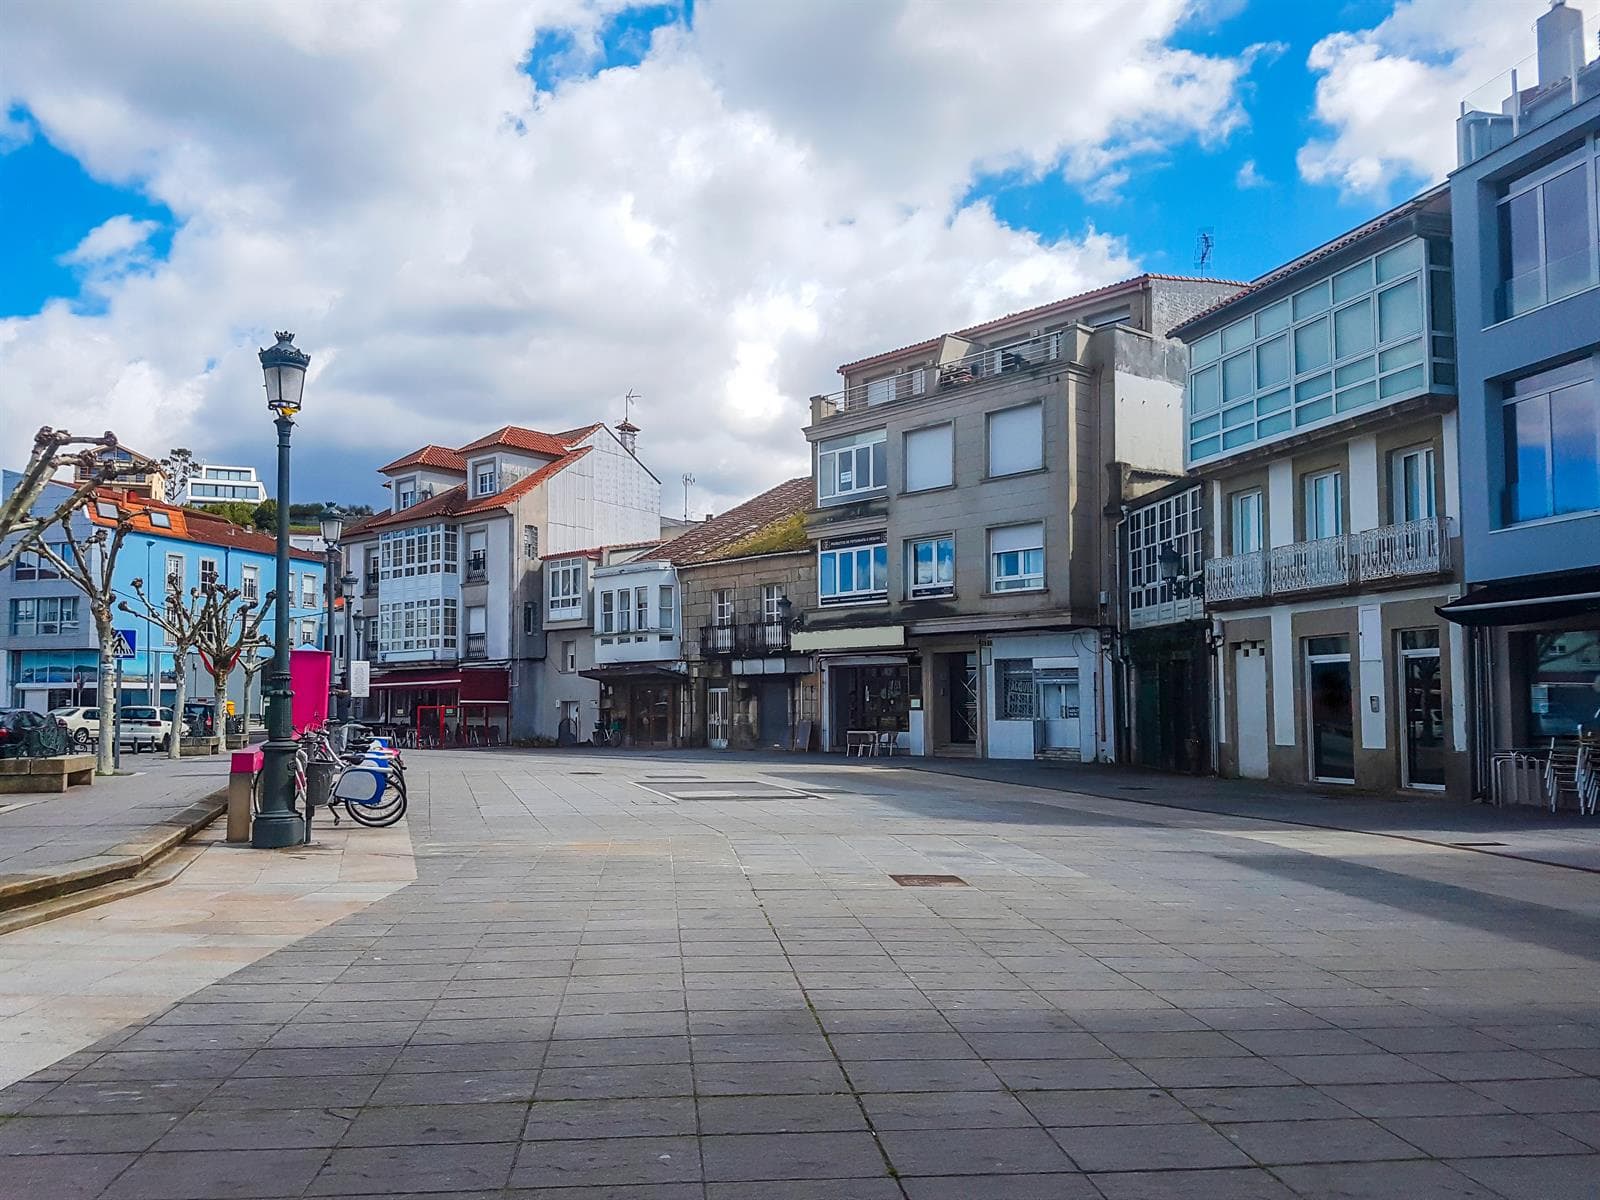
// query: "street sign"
[[125, 643], [360, 679]]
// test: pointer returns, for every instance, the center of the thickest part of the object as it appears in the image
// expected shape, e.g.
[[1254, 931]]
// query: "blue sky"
[[729, 156]]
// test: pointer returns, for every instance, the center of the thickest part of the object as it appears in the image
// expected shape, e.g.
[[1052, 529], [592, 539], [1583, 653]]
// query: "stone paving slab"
[[589, 994]]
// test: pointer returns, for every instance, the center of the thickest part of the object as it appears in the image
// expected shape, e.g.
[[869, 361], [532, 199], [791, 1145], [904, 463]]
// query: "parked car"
[[144, 727], [83, 725], [28, 734], [199, 718]]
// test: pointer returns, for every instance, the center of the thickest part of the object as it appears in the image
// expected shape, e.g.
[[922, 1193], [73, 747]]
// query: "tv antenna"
[[1205, 245], [688, 482], [628, 401]]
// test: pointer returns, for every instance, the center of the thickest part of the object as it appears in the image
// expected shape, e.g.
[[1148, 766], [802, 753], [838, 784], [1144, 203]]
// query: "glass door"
[[1330, 715], [1422, 697]]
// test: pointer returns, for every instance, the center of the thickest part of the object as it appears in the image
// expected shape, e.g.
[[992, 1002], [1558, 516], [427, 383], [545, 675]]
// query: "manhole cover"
[[929, 880], [1475, 845]]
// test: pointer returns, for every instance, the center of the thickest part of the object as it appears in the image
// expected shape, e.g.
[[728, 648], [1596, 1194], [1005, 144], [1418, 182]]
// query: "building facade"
[[964, 521], [1321, 415], [50, 649], [1527, 298], [475, 604], [215, 483]]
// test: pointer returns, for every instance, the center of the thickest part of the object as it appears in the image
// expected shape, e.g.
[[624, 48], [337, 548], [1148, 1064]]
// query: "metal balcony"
[[1390, 552], [765, 637], [718, 639]]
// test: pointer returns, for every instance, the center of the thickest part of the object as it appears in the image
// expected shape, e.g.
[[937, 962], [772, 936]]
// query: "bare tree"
[[94, 466], [227, 629], [177, 468], [91, 569], [251, 662], [183, 617]]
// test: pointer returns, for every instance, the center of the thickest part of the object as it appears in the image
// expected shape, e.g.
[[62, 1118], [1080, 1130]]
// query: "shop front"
[[429, 708], [869, 696], [639, 703]]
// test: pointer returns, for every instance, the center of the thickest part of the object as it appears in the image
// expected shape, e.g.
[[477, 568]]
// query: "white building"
[[214, 483]]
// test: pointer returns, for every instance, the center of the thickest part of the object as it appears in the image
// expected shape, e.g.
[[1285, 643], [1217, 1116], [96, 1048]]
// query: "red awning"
[[417, 681], [475, 685]]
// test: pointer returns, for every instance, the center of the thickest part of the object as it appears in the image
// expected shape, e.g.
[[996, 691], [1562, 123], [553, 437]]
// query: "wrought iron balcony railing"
[[1401, 551]]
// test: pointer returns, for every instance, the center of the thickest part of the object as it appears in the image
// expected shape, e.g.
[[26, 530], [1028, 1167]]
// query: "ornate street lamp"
[[348, 583], [277, 824], [332, 529]]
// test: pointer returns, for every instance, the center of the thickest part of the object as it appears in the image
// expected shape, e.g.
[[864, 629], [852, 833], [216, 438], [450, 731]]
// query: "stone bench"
[[54, 774], [196, 747]]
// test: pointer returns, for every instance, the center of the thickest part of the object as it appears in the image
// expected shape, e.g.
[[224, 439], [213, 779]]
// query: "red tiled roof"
[[1111, 289], [1382, 221], [705, 541], [456, 503], [441, 457], [187, 525], [518, 438], [527, 483], [577, 435]]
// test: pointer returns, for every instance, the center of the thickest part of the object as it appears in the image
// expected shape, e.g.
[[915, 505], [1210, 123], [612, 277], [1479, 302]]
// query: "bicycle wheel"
[[377, 816]]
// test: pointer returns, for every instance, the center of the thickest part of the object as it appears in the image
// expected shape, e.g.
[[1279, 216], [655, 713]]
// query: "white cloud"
[[759, 200], [1248, 177], [1390, 95], [112, 239]]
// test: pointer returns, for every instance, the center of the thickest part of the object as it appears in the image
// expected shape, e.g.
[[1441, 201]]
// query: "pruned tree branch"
[[52, 452]]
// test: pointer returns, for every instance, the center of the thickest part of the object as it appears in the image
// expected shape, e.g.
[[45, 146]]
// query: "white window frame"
[[920, 590], [641, 609], [1023, 573], [308, 591], [872, 556], [569, 657], [722, 608], [772, 595], [1310, 491], [485, 479], [250, 581], [565, 587], [1421, 459], [608, 611], [666, 606], [868, 452], [1248, 503]]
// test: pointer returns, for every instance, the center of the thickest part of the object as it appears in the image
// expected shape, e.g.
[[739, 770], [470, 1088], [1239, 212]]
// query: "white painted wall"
[[1280, 502], [1371, 677], [1362, 489], [1149, 422], [606, 498], [1014, 739]]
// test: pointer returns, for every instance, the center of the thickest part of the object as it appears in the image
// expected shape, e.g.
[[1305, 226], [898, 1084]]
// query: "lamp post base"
[[276, 831]]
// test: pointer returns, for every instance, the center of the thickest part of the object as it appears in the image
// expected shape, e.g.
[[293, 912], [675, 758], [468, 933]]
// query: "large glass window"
[[1016, 558], [1245, 532], [1411, 486], [930, 566], [1547, 235], [1552, 444], [30, 564], [411, 625], [1172, 523], [423, 550], [1376, 330], [46, 615], [1016, 440], [565, 588], [851, 573], [1324, 505], [1563, 681], [852, 465]]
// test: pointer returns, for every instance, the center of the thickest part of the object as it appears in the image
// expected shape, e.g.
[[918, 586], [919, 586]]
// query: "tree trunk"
[[107, 700], [175, 737], [244, 707], [219, 689]]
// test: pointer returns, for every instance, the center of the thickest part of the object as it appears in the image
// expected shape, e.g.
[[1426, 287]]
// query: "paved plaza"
[[639, 977]]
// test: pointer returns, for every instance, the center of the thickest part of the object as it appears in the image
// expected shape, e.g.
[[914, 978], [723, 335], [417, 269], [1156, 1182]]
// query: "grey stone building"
[[968, 489], [1527, 300]]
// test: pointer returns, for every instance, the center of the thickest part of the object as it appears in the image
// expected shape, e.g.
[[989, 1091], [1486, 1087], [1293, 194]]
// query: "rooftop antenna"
[[688, 482], [1205, 245], [628, 402]]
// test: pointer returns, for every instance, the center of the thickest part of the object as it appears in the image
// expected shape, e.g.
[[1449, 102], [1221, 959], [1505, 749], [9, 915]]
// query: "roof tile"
[[706, 541]]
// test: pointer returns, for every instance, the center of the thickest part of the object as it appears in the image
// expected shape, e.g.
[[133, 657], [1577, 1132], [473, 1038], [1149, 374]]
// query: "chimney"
[[708, 516], [1560, 37], [628, 435]]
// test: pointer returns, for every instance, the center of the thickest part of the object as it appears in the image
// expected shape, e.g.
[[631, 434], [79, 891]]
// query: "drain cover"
[[929, 880], [1474, 845]]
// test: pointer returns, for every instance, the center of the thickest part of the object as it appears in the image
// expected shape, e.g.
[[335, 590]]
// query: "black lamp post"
[[348, 583], [278, 825], [332, 527]]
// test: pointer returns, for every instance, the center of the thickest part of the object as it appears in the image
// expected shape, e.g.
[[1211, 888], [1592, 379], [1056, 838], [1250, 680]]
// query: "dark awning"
[[641, 671], [1527, 601]]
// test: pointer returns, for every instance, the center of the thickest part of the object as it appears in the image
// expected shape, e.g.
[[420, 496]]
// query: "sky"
[[516, 211]]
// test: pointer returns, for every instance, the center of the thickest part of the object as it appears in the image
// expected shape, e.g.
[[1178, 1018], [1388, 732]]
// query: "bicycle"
[[371, 783]]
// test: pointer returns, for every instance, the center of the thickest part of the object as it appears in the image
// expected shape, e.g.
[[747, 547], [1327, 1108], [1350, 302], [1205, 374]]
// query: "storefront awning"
[[624, 672], [1526, 601], [473, 685], [869, 637]]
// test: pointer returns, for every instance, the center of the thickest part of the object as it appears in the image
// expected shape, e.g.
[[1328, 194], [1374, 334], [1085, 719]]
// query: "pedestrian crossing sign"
[[122, 643]]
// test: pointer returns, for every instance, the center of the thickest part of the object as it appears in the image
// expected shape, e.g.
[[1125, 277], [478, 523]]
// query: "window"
[[1245, 530], [1016, 440], [1324, 505], [641, 608], [208, 572], [485, 480], [413, 625], [530, 617], [30, 564], [722, 607], [568, 662], [667, 608], [250, 582], [1411, 490], [421, 550], [930, 567], [851, 466], [771, 603], [1552, 444], [107, 511], [45, 615], [159, 520], [624, 610], [852, 572], [608, 612], [1173, 522], [895, 387], [1013, 680], [308, 631], [530, 542], [929, 457], [477, 553], [1546, 235], [406, 494], [175, 570], [308, 590], [477, 630], [565, 589], [1016, 558]]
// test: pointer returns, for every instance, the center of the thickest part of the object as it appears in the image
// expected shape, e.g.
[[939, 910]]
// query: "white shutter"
[[1016, 537], [930, 457], [1016, 440]]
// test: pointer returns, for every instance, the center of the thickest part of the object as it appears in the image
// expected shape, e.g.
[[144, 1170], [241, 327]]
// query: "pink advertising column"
[[309, 673]]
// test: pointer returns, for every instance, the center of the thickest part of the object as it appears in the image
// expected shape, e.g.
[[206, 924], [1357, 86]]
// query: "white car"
[[142, 727]]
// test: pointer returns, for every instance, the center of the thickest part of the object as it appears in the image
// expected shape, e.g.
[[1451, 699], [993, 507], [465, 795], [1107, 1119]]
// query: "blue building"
[[47, 639], [1527, 298]]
